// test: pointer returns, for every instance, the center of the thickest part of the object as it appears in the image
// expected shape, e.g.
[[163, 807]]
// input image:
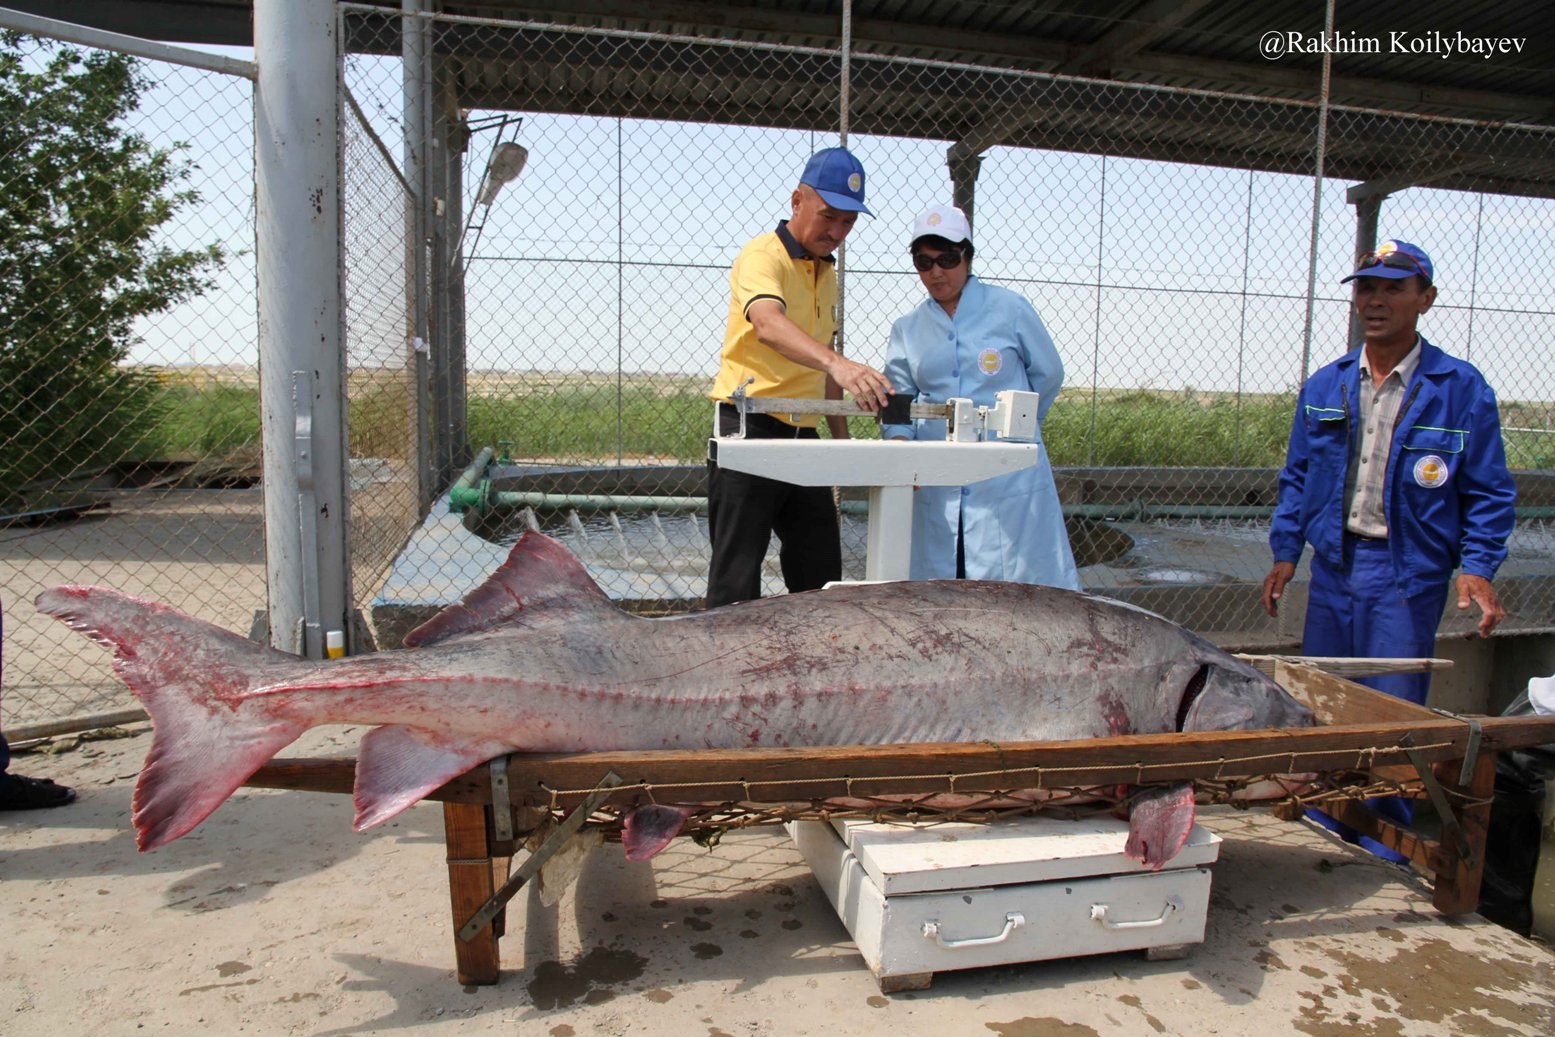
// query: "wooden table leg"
[[466, 830], [1458, 879]]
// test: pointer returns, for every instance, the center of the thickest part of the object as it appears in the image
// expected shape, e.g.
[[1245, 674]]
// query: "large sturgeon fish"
[[538, 659]]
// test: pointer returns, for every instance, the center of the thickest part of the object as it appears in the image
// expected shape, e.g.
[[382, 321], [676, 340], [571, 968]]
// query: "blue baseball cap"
[[838, 177], [1394, 260]]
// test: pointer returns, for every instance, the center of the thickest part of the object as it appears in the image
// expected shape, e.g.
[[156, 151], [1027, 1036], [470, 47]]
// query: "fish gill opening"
[[1190, 693]]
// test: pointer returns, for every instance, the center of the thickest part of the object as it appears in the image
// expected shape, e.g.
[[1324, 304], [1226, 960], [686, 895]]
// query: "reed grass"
[[597, 418]]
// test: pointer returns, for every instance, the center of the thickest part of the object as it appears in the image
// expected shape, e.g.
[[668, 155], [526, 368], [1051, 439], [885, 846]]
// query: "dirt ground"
[[274, 917], [201, 551]]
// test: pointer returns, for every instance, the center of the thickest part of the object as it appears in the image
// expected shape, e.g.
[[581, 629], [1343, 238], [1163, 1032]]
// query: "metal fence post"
[[302, 393], [1368, 212], [413, 107], [446, 157]]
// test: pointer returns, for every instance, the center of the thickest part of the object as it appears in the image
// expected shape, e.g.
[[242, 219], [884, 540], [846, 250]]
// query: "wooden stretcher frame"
[[1360, 730]]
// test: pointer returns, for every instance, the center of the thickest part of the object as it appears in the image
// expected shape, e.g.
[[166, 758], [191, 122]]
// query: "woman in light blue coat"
[[972, 340]]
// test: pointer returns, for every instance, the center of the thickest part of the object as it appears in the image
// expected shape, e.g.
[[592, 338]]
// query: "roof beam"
[[995, 131], [212, 22], [1374, 93], [1422, 178], [1128, 36], [818, 30], [1125, 47]]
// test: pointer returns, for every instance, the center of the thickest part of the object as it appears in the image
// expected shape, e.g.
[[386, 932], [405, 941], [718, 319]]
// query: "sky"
[[610, 252]]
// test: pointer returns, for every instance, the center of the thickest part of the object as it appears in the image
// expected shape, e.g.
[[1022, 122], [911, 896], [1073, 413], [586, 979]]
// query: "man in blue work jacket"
[[1396, 476]]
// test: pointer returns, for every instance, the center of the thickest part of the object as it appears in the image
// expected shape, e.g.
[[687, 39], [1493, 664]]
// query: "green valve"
[[477, 497]]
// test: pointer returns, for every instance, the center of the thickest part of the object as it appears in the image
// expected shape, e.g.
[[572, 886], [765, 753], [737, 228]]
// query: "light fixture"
[[505, 161], [505, 165]]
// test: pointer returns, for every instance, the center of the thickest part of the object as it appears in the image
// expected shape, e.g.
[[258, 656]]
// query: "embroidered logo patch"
[[990, 360], [855, 182], [1430, 471], [935, 219]]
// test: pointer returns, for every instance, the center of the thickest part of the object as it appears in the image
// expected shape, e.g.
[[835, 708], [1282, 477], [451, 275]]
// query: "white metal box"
[[925, 899]]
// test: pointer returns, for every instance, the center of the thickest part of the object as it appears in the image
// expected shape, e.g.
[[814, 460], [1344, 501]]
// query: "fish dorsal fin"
[[541, 584]]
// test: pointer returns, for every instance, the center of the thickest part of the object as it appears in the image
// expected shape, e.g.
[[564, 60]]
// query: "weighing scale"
[[890, 469], [921, 899]]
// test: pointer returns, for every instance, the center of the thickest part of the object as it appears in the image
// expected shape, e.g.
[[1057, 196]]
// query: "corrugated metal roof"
[[1396, 57], [1207, 44]]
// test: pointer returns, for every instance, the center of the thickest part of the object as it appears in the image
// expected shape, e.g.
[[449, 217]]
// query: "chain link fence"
[[384, 391], [128, 399], [1166, 237]]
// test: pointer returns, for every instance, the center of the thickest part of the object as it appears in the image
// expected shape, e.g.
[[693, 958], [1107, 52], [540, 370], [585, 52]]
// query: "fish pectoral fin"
[[396, 766], [1159, 822], [649, 829]]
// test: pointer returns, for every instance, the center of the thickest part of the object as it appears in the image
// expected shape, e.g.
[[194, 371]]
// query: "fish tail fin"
[[191, 676]]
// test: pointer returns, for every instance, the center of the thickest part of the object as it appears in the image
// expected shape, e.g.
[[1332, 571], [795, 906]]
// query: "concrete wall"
[[1487, 675]]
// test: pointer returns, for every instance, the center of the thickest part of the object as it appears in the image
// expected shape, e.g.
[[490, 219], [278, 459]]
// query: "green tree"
[[82, 201]]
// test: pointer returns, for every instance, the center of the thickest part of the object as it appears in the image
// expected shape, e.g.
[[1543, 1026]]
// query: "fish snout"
[[1230, 700]]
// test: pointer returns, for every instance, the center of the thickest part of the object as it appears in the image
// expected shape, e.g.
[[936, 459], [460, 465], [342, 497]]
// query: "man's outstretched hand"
[[1478, 590]]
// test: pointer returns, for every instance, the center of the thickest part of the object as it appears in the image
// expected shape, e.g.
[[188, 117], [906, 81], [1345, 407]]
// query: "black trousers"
[[743, 511]]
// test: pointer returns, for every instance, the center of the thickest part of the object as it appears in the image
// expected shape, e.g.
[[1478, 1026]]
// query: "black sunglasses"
[[947, 260], [1396, 260]]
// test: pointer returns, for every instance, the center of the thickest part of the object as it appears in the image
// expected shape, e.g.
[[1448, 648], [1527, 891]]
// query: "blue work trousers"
[[1357, 610]]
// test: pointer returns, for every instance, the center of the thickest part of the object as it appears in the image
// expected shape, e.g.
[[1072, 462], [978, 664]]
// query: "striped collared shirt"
[[1366, 480]]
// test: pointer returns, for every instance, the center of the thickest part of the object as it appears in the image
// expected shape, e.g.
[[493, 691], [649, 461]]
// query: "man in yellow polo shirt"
[[782, 322]]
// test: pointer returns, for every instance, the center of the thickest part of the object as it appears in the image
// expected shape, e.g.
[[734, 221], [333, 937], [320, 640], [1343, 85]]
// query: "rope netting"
[[1273, 781]]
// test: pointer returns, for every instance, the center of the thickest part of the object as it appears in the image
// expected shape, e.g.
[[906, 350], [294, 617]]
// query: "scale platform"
[[921, 899], [890, 470]]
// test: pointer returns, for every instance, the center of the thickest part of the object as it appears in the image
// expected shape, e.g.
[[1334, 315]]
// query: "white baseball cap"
[[941, 221]]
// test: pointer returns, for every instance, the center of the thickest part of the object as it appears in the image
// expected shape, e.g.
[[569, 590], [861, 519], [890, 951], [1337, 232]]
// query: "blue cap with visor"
[[838, 177], [1394, 260]]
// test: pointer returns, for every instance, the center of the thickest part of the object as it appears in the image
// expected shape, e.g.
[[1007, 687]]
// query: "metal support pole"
[[301, 353], [844, 95], [449, 138], [844, 100], [414, 107], [86, 36], [1317, 197], [1368, 211], [963, 181]]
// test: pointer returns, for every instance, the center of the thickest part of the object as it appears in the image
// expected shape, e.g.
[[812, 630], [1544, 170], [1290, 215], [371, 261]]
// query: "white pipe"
[[86, 36]]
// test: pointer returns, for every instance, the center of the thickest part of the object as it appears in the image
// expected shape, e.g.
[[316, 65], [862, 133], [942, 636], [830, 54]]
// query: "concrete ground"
[[274, 917]]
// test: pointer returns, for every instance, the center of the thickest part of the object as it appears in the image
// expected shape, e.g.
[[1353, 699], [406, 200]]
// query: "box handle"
[[1099, 914], [1012, 921]]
